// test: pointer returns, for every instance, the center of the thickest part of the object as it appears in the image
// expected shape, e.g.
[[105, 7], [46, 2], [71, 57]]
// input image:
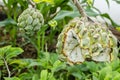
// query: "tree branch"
[[80, 8]]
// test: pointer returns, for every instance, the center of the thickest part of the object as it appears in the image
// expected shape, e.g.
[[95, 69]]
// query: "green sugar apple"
[[30, 21], [81, 40]]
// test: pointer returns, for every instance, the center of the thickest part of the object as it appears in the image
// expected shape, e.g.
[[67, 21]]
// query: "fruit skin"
[[30, 21], [81, 39]]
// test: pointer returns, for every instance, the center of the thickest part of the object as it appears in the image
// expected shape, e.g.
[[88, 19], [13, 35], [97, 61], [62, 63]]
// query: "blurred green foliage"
[[47, 65]]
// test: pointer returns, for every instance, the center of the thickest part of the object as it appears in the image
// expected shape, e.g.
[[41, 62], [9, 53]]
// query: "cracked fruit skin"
[[81, 40], [30, 21]]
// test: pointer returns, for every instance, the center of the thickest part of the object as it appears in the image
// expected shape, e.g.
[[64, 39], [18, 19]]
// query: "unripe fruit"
[[30, 21], [81, 40]]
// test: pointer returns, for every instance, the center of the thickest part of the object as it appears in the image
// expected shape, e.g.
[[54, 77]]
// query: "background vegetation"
[[34, 58]]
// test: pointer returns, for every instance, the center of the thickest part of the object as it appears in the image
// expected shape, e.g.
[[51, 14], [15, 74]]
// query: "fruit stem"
[[80, 8], [32, 3]]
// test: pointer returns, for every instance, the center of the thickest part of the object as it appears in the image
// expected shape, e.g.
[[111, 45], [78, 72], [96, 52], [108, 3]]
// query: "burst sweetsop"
[[30, 21], [81, 40]]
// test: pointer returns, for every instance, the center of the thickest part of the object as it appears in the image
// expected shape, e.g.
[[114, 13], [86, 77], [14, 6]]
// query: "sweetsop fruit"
[[81, 40], [30, 21]]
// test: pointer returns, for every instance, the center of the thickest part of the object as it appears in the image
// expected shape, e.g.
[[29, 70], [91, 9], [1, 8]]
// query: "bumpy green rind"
[[30, 21], [91, 39]]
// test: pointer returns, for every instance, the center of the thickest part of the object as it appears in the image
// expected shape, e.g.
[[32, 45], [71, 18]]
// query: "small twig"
[[80, 8], [32, 3], [9, 73]]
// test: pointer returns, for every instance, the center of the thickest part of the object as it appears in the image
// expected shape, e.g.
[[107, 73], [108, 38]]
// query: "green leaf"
[[108, 77], [63, 13], [12, 78], [118, 70], [13, 52], [109, 18], [115, 64], [103, 73], [77, 75], [25, 76], [107, 1], [44, 75], [10, 52], [32, 64], [4, 50], [21, 63], [91, 12], [35, 77], [116, 77], [1, 62], [95, 76], [76, 71], [7, 22], [60, 2], [51, 77], [53, 57], [92, 66], [58, 65], [117, 1]]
